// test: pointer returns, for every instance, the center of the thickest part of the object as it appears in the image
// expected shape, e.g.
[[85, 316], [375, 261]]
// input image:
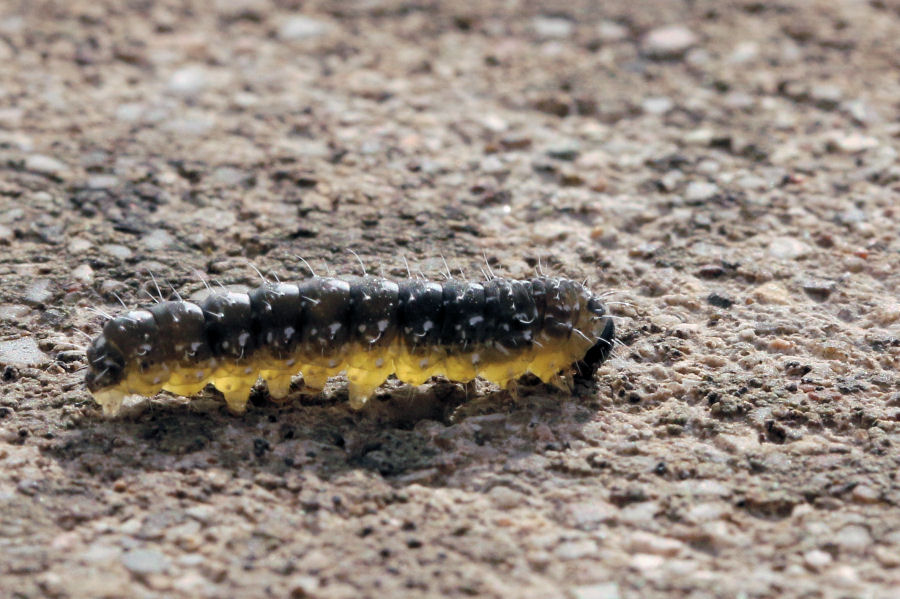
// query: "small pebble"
[[788, 248], [740, 101], [865, 494], [39, 292], [700, 191], [887, 314], [551, 232], [657, 105], [6, 235], [193, 126], [708, 167], [576, 549], [253, 10], [302, 587], [752, 183], [13, 312], [493, 165], [780, 345], [143, 562], [552, 27], [720, 300], [568, 152], [506, 498], [746, 334], [850, 143], [21, 352], [215, 217], [816, 559], [853, 538], [671, 41], [639, 513], [644, 542], [844, 575], [744, 52], [698, 137], [117, 251], [817, 289], [130, 112], [860, 111], [771, 293], [647, 561], [887, 557], [157, 240], [611, 32], [300, 28], [826, 96], [671, 179], [227, 175], [706, 511], [84, 273], [588, 515], [188, 81], [853, 216], [102, 182], [603, 590], [45, 165], [78, 245]]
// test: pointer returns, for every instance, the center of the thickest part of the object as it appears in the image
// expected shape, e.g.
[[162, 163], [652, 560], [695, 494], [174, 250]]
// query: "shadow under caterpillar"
[[368, 327]]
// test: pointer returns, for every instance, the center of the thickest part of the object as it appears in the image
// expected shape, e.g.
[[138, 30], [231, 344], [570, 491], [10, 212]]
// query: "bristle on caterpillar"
[[367, 327]]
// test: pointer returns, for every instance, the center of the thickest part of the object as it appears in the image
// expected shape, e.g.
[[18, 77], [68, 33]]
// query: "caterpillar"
[[365, 326]]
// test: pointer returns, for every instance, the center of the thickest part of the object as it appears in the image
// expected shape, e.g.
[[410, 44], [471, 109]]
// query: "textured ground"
[[734, 178]]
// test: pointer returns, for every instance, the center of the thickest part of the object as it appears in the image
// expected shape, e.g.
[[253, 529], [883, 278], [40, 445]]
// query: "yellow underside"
[[366, 371]]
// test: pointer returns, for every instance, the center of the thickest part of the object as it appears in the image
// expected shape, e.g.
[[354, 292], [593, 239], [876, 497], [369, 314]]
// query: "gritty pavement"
[[727, 171]]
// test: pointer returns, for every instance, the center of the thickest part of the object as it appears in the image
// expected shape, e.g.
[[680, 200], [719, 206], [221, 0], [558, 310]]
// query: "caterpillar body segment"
[[367, 327]]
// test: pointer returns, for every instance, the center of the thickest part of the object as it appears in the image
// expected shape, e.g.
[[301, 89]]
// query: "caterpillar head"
[[604, 330], [106, 365]]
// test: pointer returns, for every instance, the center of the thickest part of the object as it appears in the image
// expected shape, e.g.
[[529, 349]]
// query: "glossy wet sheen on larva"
[[366, 327]]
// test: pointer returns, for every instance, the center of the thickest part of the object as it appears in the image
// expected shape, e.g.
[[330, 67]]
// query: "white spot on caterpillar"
[[475, 320], [379, 362], [476, 358], [289, 332], [428, 325], [362, 328], [243, 338], [334, 327], [382, 325]]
